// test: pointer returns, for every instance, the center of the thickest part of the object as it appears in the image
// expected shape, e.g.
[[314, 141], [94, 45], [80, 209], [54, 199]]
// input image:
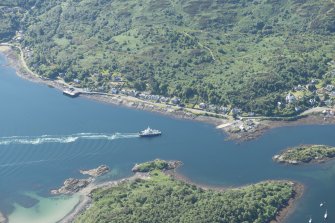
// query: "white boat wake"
[[37, 140]]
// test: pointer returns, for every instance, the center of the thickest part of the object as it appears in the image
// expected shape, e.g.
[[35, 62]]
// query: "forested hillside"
[[163, 199], [236, 53]]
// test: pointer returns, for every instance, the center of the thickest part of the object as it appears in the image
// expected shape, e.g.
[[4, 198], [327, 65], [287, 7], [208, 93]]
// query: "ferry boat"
[[148, 132]]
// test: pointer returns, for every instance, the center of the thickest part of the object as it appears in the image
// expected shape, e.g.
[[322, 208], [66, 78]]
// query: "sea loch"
[[46, 138]]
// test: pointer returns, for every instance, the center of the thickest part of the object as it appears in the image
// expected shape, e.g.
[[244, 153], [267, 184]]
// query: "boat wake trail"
[[37, 140]]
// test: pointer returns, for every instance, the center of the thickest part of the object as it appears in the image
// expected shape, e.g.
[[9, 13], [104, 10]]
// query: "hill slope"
[[243, 53]]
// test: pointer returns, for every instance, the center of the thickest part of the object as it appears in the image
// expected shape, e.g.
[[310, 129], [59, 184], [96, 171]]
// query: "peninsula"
[[306, 154], [154, 195]]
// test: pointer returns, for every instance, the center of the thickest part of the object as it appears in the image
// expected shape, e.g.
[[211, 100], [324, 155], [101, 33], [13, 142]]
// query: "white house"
[[290, 98]]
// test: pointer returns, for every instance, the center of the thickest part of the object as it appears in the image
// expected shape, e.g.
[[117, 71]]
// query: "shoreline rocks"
[[72, 185], [101, 170], [305, 154]]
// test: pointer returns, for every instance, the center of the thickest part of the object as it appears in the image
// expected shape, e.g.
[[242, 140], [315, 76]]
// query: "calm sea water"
[[46, 137]]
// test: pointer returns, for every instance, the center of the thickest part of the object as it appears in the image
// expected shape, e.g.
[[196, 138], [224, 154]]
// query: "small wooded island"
[[306, 154], [162, 198]]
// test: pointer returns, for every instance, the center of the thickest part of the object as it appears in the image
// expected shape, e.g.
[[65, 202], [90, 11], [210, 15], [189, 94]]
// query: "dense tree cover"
[[243, 53], [8, 25], [152, 165], [163, 199], [156, 164], [306, 154], [11, 12]]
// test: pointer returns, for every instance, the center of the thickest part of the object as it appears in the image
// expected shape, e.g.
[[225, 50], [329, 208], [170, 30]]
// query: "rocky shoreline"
[[101, 170], [307, 154], [240, 130], [85, 193], [71, 185], [86, 201], [292, 203], [281, 215]]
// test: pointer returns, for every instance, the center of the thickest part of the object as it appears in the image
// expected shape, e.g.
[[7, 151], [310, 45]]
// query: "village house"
[[249, 122], [242, 128], [298, 88], [328, 102], [279, 104], [164, 99], [236, 111], [251, 114], [77, 81], [124, 92], [202, 106], [133, 93], [223, 110], [114, 91], [101, 89], [312, 101], [212, 108], [142, 96], [97, 75], [329, 87], [117, 79], [311, 87], [175, 101], [297, 108], [290, 98]]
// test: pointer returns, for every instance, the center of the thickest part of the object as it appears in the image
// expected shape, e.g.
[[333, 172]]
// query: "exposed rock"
[[103, 169], [280, 159], [72, 185], [156, 164]]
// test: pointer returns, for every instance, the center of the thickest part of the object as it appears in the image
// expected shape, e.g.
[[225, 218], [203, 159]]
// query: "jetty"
[[71, 93]]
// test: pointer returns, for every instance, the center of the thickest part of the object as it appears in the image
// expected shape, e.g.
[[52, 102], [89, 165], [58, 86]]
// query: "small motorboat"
[[326, 215], [310, 220], [321, 204]]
